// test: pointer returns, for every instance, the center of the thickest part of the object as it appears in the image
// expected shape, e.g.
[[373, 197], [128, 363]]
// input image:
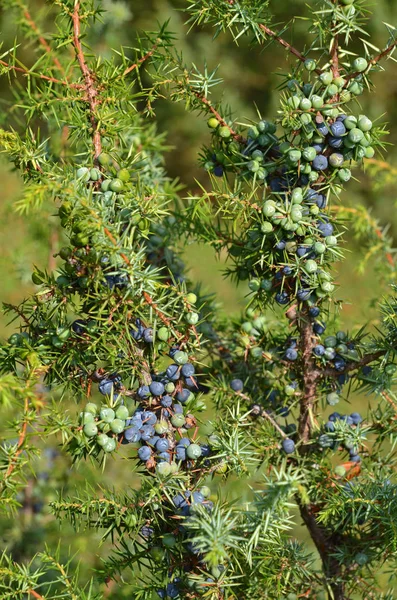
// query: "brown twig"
[[36, 595], [141, 60], [43, 42], [90, 85], [365, 360], [310, 375], [39, 75], [373, 61], [204, 100], [286, 45], [21, 441]]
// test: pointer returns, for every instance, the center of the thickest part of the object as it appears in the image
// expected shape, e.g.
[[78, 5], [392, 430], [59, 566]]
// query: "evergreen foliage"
[[121, 329]]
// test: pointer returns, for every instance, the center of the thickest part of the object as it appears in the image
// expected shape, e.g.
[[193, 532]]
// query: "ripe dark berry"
[[320, 163], [183, 395], [156, 388], [338, 129], [318, 328], [291, 354], [314, 311], [187, 370], [356, 418], [288, 445], [236, 385], [147, 335], [143, 392], [144, 453], [162, 445], [148, 417], [166, 401], [282, 298], [173, 372], [319, 350], [106, 386], [325, 229]]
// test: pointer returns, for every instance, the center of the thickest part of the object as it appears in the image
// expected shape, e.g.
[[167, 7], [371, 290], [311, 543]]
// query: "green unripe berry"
[[90, 429], [117, 425], [310, 64], [192, 318], [297, 194], [110, 446], [294, 155], [91, 408], [169, 540], [105, 185], [161, 426], [361, 559], [347, 2], [177, 420], [95, 174], [326, 77], [364, 123], [104, 159], [253, 166], [191, 298], [193, 451], [122, 412], [344, 175], [163, 334], [107, 414], [369, 152], [180, 357], [169, 387], [266, 284], [294, 102], [317, 102], [336, 160], [124, 175], [83, 173], [268, 209], [224, 132], [212, 123], [332, 90], [350, 122], [266, 227], [254, 285], [305, 104], [327, 287], [360, 64], [309, 154], [205, 490], [355, 135], [102, 439], [310, 266], [306, 119], [356, 88], [332, 398], [339, 82], [340, 471], [116, 185], [319, 248], [87, 417], [163, 469]]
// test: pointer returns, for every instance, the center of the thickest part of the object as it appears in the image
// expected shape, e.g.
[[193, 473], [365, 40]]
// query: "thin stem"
[[90, 85], [141, 60], [21, 441], [42, 41], [39, 75], [207, 103], [286, 45]]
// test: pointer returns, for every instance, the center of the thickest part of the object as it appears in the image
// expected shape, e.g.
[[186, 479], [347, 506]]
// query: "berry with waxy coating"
[[288, 445]]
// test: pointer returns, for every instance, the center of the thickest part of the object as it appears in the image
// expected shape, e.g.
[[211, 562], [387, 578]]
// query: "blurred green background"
[[250, 79]]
